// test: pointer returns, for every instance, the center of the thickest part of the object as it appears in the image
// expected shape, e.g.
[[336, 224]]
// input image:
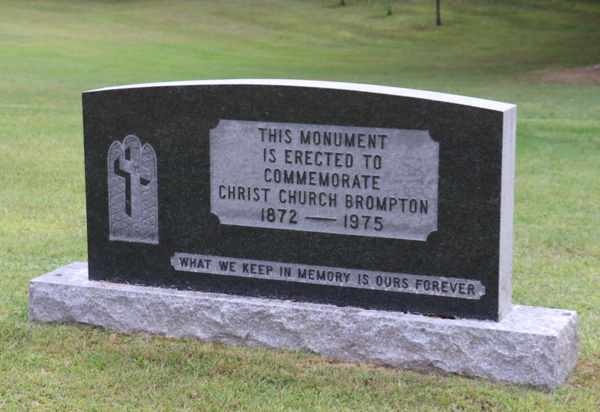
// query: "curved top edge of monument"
[[359, 87]]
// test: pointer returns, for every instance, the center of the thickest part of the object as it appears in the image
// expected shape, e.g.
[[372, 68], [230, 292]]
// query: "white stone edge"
[[358, 87], [507, 200]]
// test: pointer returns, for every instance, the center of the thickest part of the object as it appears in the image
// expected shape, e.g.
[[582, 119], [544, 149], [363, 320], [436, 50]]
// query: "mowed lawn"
[[538, 54]]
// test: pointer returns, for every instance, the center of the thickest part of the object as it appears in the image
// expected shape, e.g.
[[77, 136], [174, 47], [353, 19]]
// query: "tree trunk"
[[437, 13], [388, 6], [342, 3]]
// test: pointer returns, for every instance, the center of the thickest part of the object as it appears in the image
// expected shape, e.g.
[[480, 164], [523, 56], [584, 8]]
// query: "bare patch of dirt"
[[587, 374], [579, 75]]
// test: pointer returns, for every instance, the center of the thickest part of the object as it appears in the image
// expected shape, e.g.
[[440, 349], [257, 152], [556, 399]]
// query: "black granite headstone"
[[346, 194]]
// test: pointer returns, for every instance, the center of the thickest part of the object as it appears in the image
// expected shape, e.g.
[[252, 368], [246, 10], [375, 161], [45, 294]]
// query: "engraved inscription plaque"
[[321, 178], [331, 276]]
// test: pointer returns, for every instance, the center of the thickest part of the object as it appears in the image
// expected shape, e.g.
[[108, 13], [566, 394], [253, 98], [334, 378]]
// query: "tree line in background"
[[388, 7]]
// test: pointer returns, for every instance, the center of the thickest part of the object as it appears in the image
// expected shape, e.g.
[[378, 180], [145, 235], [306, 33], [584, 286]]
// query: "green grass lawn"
[[520, 51]]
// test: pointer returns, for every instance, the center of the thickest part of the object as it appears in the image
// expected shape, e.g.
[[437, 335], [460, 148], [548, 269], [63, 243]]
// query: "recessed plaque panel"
[[356, 181], [329, 276]]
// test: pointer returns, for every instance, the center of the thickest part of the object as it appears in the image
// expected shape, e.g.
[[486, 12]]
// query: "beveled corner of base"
[[530, 345]]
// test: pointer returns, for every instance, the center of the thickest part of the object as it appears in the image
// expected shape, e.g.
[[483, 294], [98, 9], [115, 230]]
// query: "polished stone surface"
[[413, 205], [534, 346]]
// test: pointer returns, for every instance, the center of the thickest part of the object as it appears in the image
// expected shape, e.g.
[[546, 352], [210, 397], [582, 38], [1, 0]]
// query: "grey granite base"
[[536, 346]]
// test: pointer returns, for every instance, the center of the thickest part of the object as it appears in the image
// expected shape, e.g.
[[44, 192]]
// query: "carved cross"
[[135, 176]]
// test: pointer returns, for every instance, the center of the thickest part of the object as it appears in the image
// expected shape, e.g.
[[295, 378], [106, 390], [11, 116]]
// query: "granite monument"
[[318, 192], [319, 216]]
